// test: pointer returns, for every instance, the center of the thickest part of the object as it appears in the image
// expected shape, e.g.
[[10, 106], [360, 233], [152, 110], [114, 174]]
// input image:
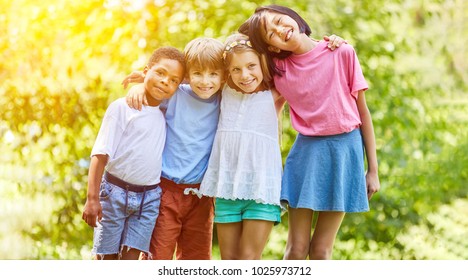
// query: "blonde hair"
[[237, 43], [205, 53]]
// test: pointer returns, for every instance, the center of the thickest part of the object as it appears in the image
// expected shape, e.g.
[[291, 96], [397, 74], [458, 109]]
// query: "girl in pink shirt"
[[324, 171]]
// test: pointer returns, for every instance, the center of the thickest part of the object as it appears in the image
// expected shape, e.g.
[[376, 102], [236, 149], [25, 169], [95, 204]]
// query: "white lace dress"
[[245, 161]]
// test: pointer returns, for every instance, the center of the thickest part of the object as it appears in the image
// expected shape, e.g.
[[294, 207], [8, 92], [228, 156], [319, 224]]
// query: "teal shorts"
[[233, 211]]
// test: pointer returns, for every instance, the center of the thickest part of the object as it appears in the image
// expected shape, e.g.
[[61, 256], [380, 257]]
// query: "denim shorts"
[[121, 225], [233, 211]]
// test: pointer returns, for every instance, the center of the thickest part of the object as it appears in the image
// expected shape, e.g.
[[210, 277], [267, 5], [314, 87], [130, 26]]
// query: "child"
[[324, 171], [126, 156], [244, 170], [186, 221]]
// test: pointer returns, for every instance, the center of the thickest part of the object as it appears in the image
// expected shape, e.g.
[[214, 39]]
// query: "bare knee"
[[229, 257], [296, 251], [318, 252], [250, 255]]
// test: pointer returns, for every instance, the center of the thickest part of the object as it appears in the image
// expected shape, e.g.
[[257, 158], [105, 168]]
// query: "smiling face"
[[246, 71], [162, 80], [205, 83], [280, 31]]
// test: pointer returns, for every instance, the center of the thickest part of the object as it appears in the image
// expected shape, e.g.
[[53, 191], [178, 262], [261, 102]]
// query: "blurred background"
[[61, 64]]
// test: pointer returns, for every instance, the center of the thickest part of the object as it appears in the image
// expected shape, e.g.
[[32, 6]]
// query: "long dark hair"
[[255, 23]]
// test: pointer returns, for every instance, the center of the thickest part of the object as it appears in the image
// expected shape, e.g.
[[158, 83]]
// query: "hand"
[[136, 97], [334, 41], [372, 184], [92, 212], [134, 77]]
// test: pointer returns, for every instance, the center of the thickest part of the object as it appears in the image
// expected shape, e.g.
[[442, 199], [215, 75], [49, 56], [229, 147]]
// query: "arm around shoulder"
[[279, 100], [136, 97]]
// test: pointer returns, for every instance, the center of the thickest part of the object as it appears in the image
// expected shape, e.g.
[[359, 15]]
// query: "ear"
[[145, 70], [274, 49]]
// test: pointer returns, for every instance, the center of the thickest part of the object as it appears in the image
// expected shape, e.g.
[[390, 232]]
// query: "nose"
[[204, 79], [165, 80], [277, 29], [244, 73]]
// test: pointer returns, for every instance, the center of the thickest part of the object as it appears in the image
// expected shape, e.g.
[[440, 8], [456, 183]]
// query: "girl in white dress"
[[245, 167]]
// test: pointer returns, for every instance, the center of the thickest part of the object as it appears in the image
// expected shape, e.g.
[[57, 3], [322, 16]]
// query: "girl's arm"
[[279, 101], [367, 129], [92, 212], [334, 41]]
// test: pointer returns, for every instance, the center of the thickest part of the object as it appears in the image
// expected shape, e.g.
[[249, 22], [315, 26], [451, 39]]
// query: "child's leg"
[[108, 233], [300, 227], [143, 209], [111, 257], [254, 238], [197, 230], [321, 245], [168, 225], [130, 254], [229, 235]]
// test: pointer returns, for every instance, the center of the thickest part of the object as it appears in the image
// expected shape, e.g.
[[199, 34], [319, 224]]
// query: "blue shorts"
[[121, 224], [233, 211]]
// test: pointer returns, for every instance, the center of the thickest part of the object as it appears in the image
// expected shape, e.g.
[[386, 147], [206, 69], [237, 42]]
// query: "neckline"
[[241, 93], [319, 43]]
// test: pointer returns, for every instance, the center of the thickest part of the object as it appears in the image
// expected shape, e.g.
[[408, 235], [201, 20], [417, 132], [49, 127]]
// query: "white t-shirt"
[[134, 141], [245, 161]]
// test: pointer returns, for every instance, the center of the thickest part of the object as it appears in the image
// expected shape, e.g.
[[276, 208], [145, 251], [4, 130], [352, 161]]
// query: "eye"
[[252, 66], [196, 73], [235, 70], [214, 74]]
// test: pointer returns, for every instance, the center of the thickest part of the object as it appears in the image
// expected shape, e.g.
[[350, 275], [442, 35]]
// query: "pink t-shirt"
[[321, 88]]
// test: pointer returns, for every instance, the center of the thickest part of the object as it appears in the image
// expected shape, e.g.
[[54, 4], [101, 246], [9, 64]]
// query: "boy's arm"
[[92, 212], [136, 97], [134, 77], [367, 129]]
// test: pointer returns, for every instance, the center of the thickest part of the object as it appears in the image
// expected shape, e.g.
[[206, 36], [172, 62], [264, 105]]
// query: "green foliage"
[[62, 63]]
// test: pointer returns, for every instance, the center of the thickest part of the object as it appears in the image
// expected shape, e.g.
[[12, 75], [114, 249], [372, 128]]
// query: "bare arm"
[[92, 212], [279, 101], [367, 129], [134, 77], [136, 97]]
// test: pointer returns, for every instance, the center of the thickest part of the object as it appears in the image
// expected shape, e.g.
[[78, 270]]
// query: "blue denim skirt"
[[326, 173]]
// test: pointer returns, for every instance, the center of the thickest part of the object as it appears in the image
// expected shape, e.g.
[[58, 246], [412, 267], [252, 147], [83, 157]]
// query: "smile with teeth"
[[247, 83], [204, 88], [288, 35]]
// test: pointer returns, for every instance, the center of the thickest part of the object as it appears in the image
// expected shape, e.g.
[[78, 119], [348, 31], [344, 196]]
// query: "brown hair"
[[237, 43]]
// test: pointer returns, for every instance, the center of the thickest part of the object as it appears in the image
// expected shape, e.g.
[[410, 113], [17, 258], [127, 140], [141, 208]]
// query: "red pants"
[[185, 222]]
